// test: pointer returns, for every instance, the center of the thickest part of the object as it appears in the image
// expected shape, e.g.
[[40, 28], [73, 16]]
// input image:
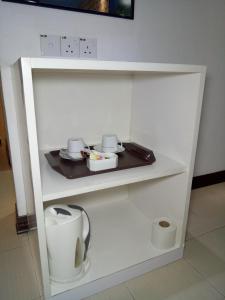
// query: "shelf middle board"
[[55, 186]]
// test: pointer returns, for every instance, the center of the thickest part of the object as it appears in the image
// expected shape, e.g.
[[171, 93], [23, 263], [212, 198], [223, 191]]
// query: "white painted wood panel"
[[165, 112], [8, 88], [120, 238], [114, 279], [18, 140], [117, 66], [35, 170], [80, 105], [161, 104], [57, 186], [163, 197]]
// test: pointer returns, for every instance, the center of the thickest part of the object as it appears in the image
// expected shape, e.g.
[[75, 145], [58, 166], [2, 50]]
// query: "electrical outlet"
[[88, 48], [50, 45], [70, 46]]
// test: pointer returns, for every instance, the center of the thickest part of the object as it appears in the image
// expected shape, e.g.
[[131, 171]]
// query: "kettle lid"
[[61, 214]]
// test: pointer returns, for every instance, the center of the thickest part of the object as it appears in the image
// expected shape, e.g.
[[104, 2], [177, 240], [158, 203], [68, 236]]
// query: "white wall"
[[179, 31]]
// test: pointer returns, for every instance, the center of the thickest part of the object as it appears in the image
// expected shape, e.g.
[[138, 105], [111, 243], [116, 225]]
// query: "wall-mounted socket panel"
[[70, 46], [88, 48], [50, 45]]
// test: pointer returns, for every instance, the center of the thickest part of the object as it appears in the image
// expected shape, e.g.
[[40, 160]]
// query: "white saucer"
[[63, 153], [99, 148]]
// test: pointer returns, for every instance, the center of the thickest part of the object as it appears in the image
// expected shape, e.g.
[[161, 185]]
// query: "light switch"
[[50, 45]]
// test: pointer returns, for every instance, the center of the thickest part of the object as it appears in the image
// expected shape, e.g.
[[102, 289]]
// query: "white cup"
[[110, 143], [74, 146]]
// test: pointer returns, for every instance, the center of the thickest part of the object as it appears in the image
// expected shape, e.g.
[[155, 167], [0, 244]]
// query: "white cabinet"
[[155, 105]]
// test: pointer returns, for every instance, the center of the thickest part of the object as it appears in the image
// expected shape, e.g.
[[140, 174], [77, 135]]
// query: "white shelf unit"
[[155, 105]]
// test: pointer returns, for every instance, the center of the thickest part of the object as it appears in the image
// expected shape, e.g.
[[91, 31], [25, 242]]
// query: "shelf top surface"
[[55, 186], [100, 65]]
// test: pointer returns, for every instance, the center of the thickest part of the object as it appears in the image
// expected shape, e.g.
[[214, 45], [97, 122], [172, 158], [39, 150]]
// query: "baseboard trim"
[[25, 223], [22, 225], [208, 179], [32, 221]]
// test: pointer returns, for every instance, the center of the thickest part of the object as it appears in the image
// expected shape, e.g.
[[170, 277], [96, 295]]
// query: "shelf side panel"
[[166, 113], [35, 169], [164, 197], [17, 130]]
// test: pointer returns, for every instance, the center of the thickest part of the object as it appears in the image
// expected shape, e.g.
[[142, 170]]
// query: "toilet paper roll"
[[163, 233]]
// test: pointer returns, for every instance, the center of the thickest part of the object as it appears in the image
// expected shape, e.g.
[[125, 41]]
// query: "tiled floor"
[[199, 276], [17, 276]]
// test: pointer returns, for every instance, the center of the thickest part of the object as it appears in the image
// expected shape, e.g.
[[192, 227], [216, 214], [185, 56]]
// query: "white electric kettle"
[[68, 236]]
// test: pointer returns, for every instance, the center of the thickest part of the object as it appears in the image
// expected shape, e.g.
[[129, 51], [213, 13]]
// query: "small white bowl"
[[103, 164]]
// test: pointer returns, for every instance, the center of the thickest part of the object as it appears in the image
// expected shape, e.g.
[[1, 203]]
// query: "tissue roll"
[[163, 233]]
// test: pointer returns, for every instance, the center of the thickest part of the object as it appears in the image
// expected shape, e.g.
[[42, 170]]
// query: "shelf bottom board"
[[120, 238]]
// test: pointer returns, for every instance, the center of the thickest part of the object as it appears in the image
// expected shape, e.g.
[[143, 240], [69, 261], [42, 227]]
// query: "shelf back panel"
[[81, 105]]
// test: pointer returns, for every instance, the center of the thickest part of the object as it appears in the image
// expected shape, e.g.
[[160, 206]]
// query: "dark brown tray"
[[133, 156]]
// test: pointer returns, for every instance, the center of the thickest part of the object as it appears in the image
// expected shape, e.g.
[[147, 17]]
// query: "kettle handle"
[[86, 226], [86, 231]]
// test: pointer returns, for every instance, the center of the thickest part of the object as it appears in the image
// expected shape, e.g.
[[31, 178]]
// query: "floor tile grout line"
[[11, 249], [207, 232], [203, 277], [35, 271], [192, 212], [130, 292]]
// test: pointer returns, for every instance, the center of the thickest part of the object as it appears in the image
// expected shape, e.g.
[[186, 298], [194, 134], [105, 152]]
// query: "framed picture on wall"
[[113, 8]]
